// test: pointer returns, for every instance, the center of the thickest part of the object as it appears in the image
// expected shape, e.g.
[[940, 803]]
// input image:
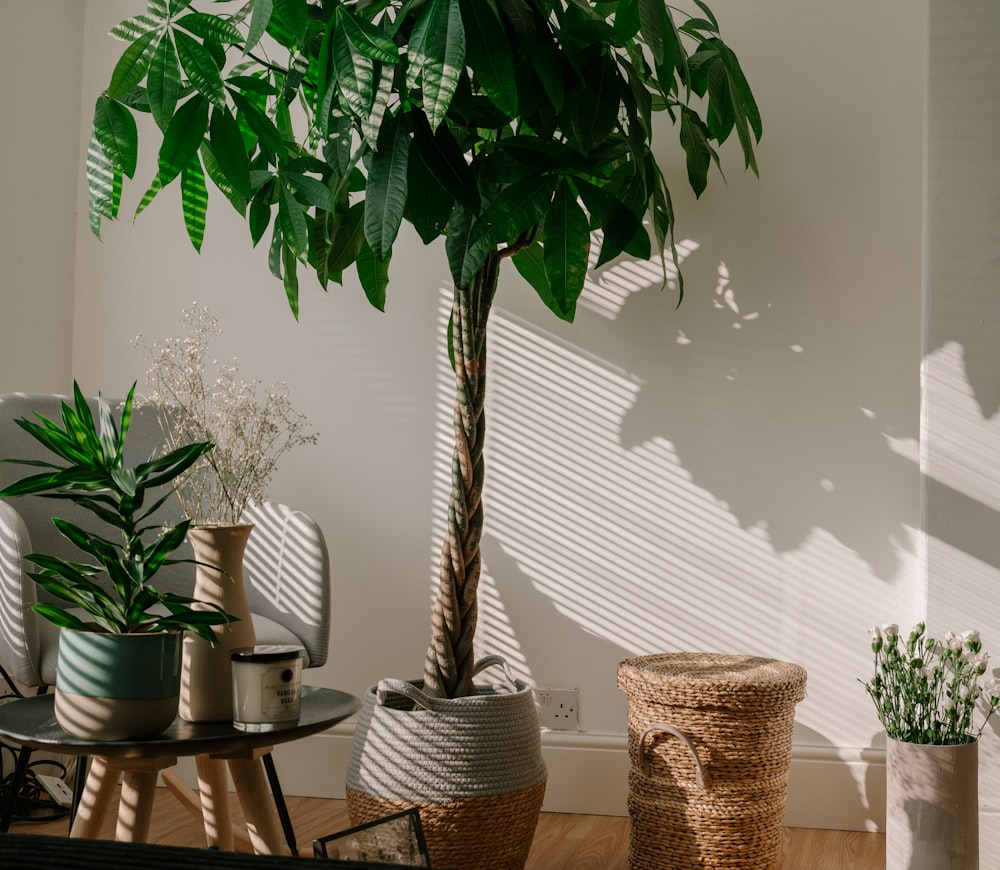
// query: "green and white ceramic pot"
[[117, 686]]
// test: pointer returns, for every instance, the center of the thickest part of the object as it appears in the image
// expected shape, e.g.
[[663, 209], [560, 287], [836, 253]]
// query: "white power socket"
[[57, 789], [558, 709]]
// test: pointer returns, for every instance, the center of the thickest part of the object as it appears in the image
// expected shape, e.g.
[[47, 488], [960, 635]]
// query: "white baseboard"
[[588, 773]]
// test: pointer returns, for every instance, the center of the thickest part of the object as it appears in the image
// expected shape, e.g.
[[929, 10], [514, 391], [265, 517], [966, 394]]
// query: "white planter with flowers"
[[927, 693]]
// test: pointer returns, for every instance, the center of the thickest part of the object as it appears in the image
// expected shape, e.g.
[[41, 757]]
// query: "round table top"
[[32, 722]]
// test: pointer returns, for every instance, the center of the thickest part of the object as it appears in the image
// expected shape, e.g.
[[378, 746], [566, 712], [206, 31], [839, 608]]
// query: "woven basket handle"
[[393, 686], [701, 777]]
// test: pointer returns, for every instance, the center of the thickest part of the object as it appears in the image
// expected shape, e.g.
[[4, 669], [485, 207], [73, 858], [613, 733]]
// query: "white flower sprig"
[[926, 690], [200, 401]]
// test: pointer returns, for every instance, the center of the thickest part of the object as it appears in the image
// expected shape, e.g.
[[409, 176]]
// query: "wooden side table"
[[215, 745]]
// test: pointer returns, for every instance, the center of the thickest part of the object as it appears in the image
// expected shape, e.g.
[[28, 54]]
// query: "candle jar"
[[267, 686]]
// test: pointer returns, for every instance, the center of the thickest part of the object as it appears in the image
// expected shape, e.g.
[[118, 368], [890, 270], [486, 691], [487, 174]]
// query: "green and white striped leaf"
[[355, 71], [133, 28], [201, 69], [436, 56], [211, 27], [163, 83], [368, 39], [194, 201], [132, 65], [104, 185], [115, 129], [259, 19], [373, 123], [385, 199]]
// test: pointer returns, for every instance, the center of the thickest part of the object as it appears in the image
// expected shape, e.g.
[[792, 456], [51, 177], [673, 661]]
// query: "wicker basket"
[[710, 744], [472, 766]]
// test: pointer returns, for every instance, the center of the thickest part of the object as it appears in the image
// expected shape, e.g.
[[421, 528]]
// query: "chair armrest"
[[19, 639]]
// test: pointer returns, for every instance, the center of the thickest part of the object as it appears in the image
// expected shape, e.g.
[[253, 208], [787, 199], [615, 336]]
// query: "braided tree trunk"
[[449, 663]]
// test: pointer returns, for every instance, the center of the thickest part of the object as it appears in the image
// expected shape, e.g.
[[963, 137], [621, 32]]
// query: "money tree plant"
[[515, 129]]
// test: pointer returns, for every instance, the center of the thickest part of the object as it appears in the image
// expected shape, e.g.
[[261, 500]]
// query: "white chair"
[[286, 570]]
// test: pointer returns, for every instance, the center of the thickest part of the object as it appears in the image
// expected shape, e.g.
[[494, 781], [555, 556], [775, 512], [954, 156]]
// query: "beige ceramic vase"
[[932, 806], [206, 669]]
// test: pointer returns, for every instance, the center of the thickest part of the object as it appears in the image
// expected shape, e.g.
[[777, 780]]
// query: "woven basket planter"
[[472, 766], [710, 745]]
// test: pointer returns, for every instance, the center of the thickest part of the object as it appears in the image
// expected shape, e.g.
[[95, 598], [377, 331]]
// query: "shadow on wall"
[[789, 427]]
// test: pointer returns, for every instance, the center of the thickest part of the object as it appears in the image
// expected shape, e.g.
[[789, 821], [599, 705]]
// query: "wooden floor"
[[562, 842]]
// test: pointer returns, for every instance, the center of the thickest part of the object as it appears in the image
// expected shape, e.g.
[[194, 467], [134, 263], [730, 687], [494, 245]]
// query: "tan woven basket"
[[710, 745]]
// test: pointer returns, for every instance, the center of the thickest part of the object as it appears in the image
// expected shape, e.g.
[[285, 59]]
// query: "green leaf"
[[316, 192], [291, 279], [211, 27], [182, 138], [294, 228], [488, 54], [457, 242], [436, 55], [347, 241], [373, 272], [259, 123], [516, 210], [430, 205], [194, 201], [115, 129], [567, 248], [163, 83], [133, 64], [368, 39], [660, 33], [597, 103], [259, 20], [385, 198], [229, 150], [294, 16], [443, 158], [694, 140], [104, 185], [200, 68], [530, 263], [260, 213]]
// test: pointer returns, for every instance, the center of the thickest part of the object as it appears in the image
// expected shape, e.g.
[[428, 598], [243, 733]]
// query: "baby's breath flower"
[[250, 432]]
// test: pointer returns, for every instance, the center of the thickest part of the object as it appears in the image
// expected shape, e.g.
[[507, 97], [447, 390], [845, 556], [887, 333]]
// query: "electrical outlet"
[[558, 709], [57, 789]]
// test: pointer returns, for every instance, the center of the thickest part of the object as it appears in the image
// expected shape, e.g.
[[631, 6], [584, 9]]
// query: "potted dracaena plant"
[[108, 609], [512, 128]]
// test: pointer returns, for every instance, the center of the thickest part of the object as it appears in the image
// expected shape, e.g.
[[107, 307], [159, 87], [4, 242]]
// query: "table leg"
[[96, 799], [213, 786], [251, 788], [135, 810]]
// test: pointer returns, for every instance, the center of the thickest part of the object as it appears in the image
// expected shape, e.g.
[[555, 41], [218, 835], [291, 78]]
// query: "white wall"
[[962, 392], [741, 474], [41, 49]]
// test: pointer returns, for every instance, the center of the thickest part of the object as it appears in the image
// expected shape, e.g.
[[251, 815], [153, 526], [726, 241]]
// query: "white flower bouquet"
[[198, 400], [927, 690]]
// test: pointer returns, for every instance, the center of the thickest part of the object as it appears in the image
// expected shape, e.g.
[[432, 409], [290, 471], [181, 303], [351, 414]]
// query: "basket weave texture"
[[710, 745], [472, 766]]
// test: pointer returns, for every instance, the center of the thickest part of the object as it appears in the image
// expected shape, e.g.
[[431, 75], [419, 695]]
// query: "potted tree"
[[126, 625], [512, 128]]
